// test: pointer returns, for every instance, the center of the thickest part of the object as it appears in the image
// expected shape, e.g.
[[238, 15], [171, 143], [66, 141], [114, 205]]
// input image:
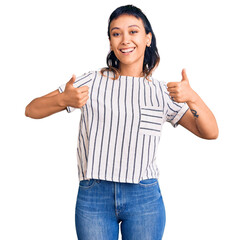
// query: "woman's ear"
[[149, 39]]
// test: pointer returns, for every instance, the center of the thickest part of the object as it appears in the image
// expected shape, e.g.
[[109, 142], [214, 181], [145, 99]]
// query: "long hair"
[[151, 55]]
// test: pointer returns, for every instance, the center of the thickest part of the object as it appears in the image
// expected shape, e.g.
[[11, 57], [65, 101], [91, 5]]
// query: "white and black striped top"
[[120, 126]]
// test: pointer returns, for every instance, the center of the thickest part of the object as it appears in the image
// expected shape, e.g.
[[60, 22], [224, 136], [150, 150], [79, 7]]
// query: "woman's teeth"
[[127, 50]]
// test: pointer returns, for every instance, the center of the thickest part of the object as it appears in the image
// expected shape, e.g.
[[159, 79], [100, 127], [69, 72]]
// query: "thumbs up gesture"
[[75, 97], [181, 91]]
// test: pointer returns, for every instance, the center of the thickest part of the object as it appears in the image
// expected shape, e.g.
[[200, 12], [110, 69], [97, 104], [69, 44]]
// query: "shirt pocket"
[[151, 120]]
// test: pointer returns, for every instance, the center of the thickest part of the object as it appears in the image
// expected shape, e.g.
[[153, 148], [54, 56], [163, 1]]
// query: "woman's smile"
[[127, 51]]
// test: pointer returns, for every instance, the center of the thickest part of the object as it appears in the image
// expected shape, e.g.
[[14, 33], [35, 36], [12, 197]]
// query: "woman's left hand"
[[181, 91]]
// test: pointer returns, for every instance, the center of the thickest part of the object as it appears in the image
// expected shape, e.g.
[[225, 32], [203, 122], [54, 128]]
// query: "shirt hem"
[[117, 181], [181, 113]]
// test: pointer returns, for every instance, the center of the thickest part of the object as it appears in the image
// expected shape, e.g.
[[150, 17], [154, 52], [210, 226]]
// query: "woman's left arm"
[[199, 120]]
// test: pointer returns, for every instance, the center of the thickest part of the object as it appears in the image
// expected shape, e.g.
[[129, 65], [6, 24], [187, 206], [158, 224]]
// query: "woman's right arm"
[[55, 101], [44, 106]]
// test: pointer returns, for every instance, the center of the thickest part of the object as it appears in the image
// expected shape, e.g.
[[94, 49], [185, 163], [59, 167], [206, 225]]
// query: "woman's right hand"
[[75, 97]]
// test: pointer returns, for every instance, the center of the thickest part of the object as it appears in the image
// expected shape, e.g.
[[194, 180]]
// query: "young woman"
[[123, 109]]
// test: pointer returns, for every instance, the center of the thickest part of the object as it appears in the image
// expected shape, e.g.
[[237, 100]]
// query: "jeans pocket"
[[87, 183], [151, 120], [148, 182]]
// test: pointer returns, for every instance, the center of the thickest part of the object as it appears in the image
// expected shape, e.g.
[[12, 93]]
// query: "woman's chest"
[[129, 106]]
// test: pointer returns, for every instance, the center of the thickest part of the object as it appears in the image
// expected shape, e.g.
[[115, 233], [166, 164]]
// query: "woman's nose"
[[126, 39]]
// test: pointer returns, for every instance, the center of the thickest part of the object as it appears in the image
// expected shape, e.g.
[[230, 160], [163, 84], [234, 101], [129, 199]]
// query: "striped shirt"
[[120, 126]]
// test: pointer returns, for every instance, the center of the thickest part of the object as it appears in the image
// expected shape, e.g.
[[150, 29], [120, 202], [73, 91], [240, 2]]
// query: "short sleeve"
[[174, 111], [82, 80]]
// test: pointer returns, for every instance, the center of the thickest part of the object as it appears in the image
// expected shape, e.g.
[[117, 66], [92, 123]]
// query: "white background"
[[44, 42]]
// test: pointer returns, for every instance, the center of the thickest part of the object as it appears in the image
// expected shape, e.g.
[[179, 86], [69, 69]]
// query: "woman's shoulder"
[[162, 83], [91, 74], [97, 71], [90, 71]]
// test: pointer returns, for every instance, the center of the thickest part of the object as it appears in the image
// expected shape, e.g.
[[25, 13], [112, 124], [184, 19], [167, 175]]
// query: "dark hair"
[[151, 55]]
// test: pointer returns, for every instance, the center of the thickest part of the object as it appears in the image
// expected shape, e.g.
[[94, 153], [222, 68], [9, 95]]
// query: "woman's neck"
[[131, 71]]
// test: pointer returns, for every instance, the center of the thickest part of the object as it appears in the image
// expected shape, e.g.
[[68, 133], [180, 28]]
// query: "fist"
[[75, 97], [181, 91]]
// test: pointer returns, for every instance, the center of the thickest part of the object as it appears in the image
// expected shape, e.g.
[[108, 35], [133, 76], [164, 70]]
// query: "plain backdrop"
[[44, 42]]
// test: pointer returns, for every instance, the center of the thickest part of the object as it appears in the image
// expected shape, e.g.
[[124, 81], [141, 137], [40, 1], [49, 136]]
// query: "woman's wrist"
[[62, 100], [194, 98]]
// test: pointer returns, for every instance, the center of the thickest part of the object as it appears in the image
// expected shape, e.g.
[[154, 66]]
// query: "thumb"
[[72, 80], [184, 76]]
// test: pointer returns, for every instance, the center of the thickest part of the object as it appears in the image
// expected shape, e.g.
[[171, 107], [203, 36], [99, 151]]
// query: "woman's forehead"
[[125, 21]]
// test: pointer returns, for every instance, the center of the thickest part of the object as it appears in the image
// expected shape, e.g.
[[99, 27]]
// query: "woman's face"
[[127, 33]]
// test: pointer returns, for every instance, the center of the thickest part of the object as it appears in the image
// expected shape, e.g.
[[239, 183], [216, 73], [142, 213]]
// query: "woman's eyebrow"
[[129, 26]]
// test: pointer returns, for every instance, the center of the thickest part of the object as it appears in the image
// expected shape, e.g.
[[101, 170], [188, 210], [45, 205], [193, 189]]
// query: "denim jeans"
[[101, 205]]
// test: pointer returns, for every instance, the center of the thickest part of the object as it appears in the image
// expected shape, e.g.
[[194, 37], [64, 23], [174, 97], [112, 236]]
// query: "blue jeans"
[[101, 205]]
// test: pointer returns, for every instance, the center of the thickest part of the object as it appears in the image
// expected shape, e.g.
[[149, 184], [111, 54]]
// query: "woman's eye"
[[116, 34]]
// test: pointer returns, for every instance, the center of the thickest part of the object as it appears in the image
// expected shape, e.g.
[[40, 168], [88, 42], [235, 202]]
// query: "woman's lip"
[[126, 49]]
